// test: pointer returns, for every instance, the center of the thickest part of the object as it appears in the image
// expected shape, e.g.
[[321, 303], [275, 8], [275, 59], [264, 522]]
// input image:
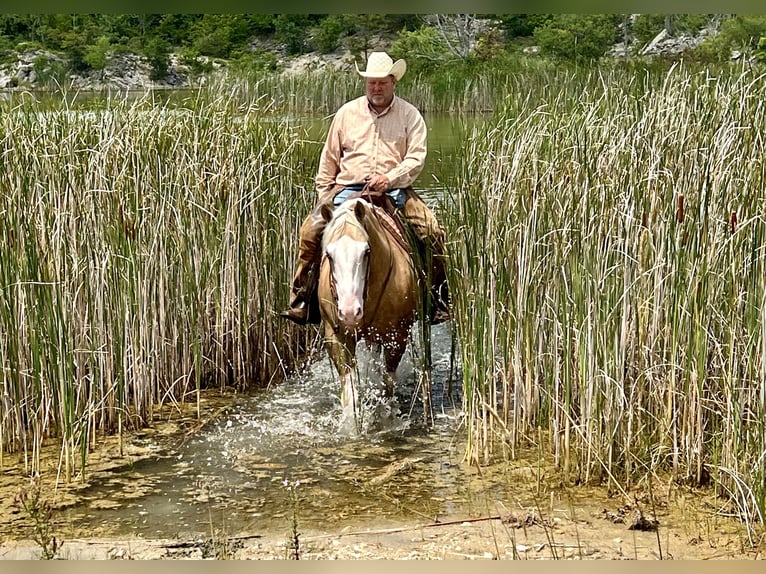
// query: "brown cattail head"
[[733, 222], [680, 208]]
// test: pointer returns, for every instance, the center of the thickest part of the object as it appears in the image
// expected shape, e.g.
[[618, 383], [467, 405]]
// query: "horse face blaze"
[[349, 268]]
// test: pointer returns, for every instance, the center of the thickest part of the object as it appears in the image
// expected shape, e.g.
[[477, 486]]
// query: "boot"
[[303, 291], [440, 309]]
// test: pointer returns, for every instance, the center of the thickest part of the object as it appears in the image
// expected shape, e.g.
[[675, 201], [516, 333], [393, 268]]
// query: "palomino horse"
[[367, 290]]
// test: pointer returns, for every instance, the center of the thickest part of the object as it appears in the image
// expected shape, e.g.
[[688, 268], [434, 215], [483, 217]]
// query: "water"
[[238, 474]]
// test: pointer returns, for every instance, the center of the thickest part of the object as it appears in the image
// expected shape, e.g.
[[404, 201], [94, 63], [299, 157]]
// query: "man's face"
[[380, 91]]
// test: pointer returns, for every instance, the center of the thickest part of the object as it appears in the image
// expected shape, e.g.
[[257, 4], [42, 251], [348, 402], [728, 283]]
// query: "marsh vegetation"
[[606, 245]]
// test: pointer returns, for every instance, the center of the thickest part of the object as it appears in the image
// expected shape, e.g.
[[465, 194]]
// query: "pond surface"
[[239, 473]]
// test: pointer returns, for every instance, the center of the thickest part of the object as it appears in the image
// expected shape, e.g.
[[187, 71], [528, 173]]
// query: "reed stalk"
[[607, 271], [146, 247]]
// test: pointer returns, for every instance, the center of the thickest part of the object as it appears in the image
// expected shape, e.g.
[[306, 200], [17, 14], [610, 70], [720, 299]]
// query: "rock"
[[123, 71]]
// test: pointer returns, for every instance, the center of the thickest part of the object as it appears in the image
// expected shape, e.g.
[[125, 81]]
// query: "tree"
[[290, 29], [740, 33], [458, 31], [522, 25], [362, 28], [95, 55], [422, 48], [327, 37], [157, 51], [578, 37]]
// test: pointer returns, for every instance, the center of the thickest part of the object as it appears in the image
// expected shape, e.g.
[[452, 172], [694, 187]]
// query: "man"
[[376, 141]]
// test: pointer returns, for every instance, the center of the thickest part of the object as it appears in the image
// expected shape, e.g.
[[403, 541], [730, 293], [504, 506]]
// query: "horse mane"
[[343, 215]]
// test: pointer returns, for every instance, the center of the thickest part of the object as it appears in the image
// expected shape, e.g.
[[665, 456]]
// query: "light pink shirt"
[[361, 143]]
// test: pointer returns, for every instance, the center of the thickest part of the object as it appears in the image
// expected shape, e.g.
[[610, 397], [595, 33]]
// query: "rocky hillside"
[[38, 68]]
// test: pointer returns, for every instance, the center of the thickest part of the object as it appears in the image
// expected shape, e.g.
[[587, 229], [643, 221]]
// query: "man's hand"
[[378, 182]]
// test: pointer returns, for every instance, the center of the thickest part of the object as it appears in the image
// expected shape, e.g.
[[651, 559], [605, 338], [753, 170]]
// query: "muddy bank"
[[512, 510], [585, 538]]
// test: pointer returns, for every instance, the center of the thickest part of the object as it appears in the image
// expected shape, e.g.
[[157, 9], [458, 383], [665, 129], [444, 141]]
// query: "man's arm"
[[329, 159]]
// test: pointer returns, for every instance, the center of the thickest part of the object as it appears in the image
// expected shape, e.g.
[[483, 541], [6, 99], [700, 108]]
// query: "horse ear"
[[359, 210], [326, 212]]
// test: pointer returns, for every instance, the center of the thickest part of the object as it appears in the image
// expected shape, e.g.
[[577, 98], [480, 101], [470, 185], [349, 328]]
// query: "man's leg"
[[307, 269], [430, 234]]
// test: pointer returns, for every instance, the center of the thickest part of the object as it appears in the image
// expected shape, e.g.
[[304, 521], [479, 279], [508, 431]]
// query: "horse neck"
[[380, 243]]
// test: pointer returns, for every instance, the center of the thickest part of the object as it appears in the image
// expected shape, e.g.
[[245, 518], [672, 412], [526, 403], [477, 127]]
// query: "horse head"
[[346, 245]]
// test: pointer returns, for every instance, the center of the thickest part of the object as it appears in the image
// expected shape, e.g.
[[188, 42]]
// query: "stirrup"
[[298, 313]]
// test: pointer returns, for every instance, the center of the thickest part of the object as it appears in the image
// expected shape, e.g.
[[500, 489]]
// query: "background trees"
[[428, 42]]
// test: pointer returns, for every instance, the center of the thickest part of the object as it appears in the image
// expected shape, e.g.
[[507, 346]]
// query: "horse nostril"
[[351, 315]]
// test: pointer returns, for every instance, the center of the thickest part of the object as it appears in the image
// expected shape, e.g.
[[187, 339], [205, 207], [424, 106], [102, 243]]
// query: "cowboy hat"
[[380, 65]]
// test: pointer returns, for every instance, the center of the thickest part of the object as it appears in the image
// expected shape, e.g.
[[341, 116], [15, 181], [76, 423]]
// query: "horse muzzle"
[[350, 313]]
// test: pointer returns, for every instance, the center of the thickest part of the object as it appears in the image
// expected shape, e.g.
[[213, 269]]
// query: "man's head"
[[380, 78]]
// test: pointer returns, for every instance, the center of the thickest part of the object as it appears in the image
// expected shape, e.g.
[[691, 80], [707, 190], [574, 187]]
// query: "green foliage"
[[73, 45], [424, 49], [362, 29], [647, 26], [760, 50], [214, 43], [217, 35], [157, 51], [96, 54], [742, 33], [488, 47], [327, 37], [257, 61], [516, 25], [196, 64], [577, 37], [290, 29], [50, 71]]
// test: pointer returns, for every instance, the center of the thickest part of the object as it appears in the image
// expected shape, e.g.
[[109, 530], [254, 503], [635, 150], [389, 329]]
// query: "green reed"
[[453, 89], [146, 248], [607, 271]]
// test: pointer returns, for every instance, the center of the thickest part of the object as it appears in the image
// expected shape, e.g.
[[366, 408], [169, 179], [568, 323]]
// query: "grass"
[[607, 269], [147, 246]]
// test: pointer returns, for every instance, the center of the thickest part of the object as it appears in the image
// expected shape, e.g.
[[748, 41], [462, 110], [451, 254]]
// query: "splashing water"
[[231, 474]]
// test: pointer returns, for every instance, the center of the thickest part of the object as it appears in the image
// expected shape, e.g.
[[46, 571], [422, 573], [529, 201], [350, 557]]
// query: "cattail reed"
[[146, 246], [605, 289]]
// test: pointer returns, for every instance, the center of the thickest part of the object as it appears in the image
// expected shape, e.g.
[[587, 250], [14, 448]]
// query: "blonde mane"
[[342, 216]]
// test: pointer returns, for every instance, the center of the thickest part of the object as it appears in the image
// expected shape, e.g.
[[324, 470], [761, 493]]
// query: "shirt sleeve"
[[415, 156], [329, 159]]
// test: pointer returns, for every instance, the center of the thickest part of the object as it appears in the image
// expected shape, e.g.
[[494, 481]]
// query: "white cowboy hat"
[[380, 65]]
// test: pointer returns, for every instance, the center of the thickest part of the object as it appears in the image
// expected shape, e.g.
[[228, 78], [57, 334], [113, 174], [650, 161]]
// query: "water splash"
[[232, 472]]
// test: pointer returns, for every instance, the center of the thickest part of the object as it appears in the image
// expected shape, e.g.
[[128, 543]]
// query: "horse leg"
[[393, 353], [342, 351]]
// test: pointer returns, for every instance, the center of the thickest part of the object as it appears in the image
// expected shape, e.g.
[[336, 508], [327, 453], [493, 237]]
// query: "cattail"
[[680, 208]]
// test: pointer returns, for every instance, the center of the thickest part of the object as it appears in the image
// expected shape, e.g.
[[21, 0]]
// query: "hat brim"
[[397, 71]]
